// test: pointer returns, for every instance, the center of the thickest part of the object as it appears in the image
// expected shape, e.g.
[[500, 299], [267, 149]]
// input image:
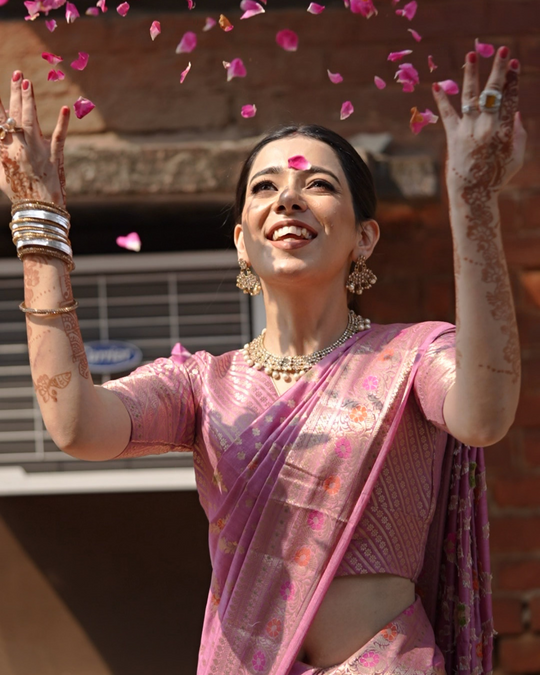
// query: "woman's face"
[[298, 224]]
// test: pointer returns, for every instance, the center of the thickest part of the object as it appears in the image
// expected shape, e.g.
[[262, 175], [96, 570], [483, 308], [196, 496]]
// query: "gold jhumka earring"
[[246, 280], [361, 278]]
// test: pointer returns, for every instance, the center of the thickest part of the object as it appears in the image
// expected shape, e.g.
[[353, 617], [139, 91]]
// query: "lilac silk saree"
[[284, 489]]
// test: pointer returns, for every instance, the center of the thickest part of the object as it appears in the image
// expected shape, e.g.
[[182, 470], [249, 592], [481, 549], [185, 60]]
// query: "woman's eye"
[[322, 183], [263, 185]]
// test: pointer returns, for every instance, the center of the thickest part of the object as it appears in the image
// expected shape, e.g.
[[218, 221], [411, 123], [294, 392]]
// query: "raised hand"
[[31, 166]]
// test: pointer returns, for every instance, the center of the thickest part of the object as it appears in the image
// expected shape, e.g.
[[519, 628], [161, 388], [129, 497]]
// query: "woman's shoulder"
[[410, 334], [203, 361]]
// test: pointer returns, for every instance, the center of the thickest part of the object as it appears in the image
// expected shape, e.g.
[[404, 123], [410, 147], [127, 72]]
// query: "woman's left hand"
[[486, 147]]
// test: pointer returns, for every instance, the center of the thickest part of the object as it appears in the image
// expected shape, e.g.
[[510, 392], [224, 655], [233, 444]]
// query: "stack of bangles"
[[42, 228]]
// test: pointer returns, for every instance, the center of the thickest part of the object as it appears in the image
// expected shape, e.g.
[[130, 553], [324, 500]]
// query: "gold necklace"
[[293, 367]]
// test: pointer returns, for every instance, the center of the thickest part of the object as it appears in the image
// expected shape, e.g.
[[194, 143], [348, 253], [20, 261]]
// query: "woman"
[[332, 456]]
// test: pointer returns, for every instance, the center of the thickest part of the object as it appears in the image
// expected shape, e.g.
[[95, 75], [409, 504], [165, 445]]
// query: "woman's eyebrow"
[[279, 169]]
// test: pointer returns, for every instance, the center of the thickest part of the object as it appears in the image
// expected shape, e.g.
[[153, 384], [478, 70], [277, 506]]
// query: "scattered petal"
[[33, 9], [315, 8], [449, 87], [364, 7], [409, 10], [298, 162], [210, 23], [81, 62], [407, 75], [123, 8], [155, 29], [3, 2], [251, 8], [235, 68], [82, 107], [415, 35], [92, 11], [336, 78], [484, 49], [188, 43], [379, 82], [248, 111], [347, 109], [51, 58], [347, 3], [419, 120], [190, 4], [287, 40], [431, 63], [102, 4], [396, 56], [71, 12], [185, 72], [55, 75], [132, 242], [224, 23], [51, 25]]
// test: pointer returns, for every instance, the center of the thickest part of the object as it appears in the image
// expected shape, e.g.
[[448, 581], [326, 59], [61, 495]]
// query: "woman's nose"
[[290, 200]]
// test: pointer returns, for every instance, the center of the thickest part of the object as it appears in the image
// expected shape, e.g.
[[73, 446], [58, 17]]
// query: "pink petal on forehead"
[[184, 73], [81, 62], [347, 110], [132, 242], [396, 56], [315, 8], [51, 58], [251, 8], [364, 7], [379, 82], [449, 87], [235, 68], [336, 78], [188, 43], [409, 10], [209, 23], [415, 35], [123, 8], [431, 64], [82, 107], [484, 49], [155, 29], [248, 110], [71, 12], [287, 40], [419, 120], [298, 162], [51, 25]]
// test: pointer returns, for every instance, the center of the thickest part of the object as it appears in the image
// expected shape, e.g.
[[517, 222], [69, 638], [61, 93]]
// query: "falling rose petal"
[[51, 25], [185, 72], [33, 9], [71, 12], [209, 23], [314, 8], [155, 29], [298, 162], [55, 75], [347, 110], [484, 49], [250, 8], [287, 40], [248, 111], [407, 75], [379, 82], [449, 87], [51, 58], [82, 107], [188, 43], [235, 68], [409, 10], [190, 4], [224, 23], [3, 2], [396, 56], [123, 8], [336, 78], [132, 242], [92, 11], [431, 63], [364, 7], [419, 120], [81, 62], [415, 35], [102, 4]]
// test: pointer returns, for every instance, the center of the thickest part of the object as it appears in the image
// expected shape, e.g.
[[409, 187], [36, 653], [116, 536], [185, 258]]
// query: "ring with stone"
[[490, 100], [467, 108], [8, 127]]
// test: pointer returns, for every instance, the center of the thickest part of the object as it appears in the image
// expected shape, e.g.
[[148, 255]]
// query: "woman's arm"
[[485, 149]]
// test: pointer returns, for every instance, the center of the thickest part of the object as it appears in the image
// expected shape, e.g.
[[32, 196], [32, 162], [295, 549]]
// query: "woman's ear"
[[368, 236], [239, 242]]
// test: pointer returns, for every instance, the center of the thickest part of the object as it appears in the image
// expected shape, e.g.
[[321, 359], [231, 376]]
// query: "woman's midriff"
[[354, 609]]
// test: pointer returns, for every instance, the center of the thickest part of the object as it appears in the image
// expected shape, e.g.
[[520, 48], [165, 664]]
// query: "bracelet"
[[41, 216], [36, 204], [47, 243], [49, 312], [45, 251], [33, 232], [34, 227]]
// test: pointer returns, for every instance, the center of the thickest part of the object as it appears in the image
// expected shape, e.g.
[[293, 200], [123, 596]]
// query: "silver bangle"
[[38, 228], [42, 215], [47, 243]]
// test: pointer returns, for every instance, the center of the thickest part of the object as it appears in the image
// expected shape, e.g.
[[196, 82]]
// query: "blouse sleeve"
[[159, 399], [435, 375]]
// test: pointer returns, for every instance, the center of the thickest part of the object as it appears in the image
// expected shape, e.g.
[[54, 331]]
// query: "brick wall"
[[134, 84]]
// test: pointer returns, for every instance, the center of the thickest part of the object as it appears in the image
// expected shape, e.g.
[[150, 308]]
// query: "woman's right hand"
[[31, 166]]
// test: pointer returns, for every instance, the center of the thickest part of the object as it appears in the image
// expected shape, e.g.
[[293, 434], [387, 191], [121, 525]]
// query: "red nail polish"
[[471, 57], [503, 52], [514, 64], [16, 76], [25, 84], [436, 86]]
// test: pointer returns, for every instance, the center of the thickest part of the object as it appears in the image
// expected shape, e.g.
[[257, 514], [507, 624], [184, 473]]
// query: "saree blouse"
[[203, 403]]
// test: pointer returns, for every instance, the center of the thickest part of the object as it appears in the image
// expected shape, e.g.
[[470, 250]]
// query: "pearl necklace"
[[290, 367]]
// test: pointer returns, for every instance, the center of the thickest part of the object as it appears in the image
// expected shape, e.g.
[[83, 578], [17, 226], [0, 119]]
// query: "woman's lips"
[[290, 244]]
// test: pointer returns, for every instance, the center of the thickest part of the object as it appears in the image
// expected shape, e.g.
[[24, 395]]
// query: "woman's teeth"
[[291, 229]]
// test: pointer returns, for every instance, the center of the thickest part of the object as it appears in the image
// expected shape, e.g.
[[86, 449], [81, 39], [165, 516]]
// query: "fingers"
[[15, 101], [449, 116], [29, 121], [498, 70], [510, 92], [471, 87], [59, 135]]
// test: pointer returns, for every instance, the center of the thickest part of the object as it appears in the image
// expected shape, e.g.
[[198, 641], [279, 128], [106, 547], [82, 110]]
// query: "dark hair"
[[355, 169]]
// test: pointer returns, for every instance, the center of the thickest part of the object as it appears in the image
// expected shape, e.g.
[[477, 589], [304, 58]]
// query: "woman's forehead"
[[316, 152]]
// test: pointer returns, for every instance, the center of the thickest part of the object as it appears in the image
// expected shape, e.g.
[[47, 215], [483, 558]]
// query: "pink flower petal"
[[409, 10], [123, 8], [449, 86], [415, 35], [102, 4], [224, 23], [82, 107], [33, 8], [55, 75], [81, 62], [190, 4], [379, 82], [188, 43], [336, 78], [185, 72], [315, 8], [431, 64], [287, 40], [484, 49], [71, 12], [396, 56], [408, 87], [248, 111], [419, 120], [298, 162], [235, 68], [347, 109], [364, 7], [51, 25], [3, 2], [155, 29], [51, 58], [132, 242], [251, 8], [92, 11], [407, 75], [210, 23]]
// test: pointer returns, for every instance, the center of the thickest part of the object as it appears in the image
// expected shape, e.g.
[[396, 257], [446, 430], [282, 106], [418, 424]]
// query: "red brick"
[[523, 251], [393, 302], [528, 412], [531, 284], [530, 371], [529, 54], [510, 205], [529, 331], [531, 447], [507, 615], [531, 211], [520, 654], [500, 458], [439, 300], [518, 576], [515, 535], [534, 607], [518, 16]]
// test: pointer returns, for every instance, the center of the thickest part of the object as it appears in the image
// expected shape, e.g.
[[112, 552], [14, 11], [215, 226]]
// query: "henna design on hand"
[[46, 386], [78, 354], [22, 185], [65, 286]]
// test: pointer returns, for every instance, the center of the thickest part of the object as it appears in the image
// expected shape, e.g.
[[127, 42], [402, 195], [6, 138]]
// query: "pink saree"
[[284, 494]]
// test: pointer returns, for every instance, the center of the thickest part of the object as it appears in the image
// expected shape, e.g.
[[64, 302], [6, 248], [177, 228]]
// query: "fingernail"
[[25, 84], [16, 76], [436, 86], [65, 110], [503, 52], [471, 57], [514, 64]]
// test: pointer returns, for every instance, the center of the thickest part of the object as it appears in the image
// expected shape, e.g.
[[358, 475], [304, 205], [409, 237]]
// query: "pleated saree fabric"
[[285, 481]]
